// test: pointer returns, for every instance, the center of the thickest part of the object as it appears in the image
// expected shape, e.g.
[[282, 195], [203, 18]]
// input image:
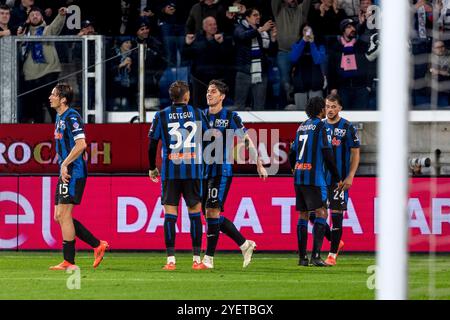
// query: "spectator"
[[347, 68], [289, 17], [236, 16], [209, 52], [440, 73], [203, 9], [372, 56], [50, 8], [351, 8], [5, 15], [19, 14], [444, 15], [264, 7], [423, 19], [149, 13], [87, 29], [130, 16], [253, 45], [366, 26], [325, 20], [308, 59], [155, 64], [173, 15], [41, 67], [9, 3], [123, 73]]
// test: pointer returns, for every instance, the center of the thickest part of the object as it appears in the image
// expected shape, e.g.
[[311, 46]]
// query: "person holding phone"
[[172, 16], [254, 44], [308, 60], [289, 16]]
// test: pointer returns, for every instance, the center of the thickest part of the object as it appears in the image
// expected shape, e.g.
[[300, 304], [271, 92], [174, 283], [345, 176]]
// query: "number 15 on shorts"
[[63, 188]]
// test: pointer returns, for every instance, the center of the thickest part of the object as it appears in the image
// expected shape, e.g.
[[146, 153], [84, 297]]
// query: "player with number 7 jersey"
[[310, 153]]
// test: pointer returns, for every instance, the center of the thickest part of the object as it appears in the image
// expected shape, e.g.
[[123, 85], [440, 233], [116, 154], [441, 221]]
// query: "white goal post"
[[394, 66]]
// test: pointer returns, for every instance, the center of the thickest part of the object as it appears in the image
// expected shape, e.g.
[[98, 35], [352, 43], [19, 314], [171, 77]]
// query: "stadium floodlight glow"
[[393, 151]]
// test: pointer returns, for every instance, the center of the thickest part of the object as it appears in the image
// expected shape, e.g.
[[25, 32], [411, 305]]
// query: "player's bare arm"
[[354, 163], [77, 150], [249, 145]]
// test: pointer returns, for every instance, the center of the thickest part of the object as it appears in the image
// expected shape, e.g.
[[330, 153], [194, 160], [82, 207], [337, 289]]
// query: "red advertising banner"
[[118, 148], [126, 211]]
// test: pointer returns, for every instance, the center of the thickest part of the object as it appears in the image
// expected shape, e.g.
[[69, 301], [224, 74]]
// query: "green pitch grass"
[[269, 276]]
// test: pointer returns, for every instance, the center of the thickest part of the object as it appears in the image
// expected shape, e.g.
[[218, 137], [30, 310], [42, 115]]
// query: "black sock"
[[312, 219], [196, 232], [69, 251], [212, 235], [85, 235], [302, 237], [170, 221], [336, 232], [318, 234], [228, 227]]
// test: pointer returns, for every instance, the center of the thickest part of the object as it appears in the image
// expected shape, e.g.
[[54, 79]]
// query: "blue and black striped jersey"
[[180, 127], [230, 125], [310, 140], [69, 127], [343, 137]]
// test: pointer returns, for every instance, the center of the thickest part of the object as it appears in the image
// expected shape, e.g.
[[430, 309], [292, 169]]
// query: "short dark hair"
[[220, 85], [334, 98], [314, 106], [249, 11], [65, 91], [36, 9], [177, 90], [5, 7]]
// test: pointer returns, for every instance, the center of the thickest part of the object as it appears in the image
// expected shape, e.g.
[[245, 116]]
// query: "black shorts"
[[337, 199], [70, 193], [309, 198], [174, 188], [215, 192]]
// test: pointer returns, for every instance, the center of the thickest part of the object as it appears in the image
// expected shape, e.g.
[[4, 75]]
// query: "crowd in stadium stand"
[[274, 54]]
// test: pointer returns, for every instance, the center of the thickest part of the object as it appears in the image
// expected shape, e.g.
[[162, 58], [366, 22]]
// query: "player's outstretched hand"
[[262, 171], [154, 174], [65, 176], [339, 186], [347, 183]]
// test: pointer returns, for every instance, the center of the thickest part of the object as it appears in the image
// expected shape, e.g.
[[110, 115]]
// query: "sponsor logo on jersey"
[[336, 142], [303, 166], [182, 155], [339, 132], [58, 135], [221, 123]]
